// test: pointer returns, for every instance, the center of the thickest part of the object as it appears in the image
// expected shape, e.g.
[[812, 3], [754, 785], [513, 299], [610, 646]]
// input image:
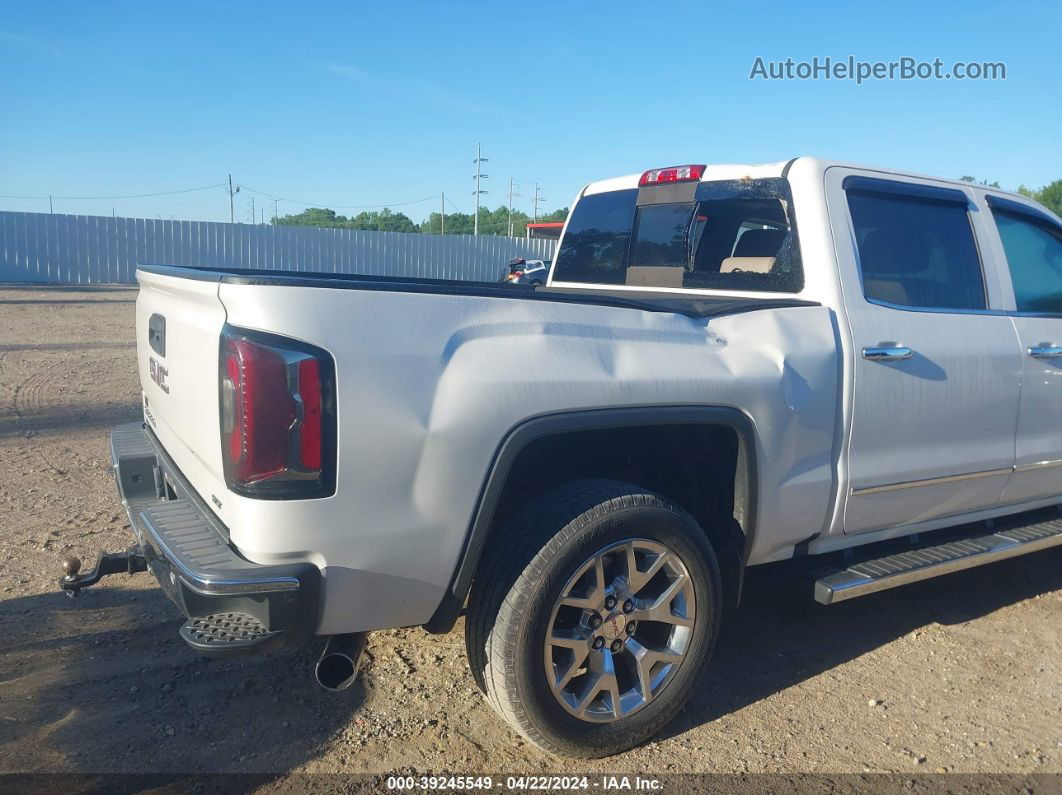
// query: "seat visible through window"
[[754, 252]]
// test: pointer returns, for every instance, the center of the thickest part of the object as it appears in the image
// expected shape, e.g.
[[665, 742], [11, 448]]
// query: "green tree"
[[557, 215], [977, 181], [491, 222], [375, 220], [1050, 195], [383, 221], [312, 216]]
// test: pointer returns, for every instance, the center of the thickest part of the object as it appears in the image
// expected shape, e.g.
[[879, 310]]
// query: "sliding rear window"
[[729, 235]]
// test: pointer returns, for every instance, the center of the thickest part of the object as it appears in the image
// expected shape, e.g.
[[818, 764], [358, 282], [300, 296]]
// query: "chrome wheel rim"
[[619, 630]]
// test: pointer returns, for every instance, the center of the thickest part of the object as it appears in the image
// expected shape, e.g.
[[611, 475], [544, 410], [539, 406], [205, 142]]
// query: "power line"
[[130, 196], [329, 205]]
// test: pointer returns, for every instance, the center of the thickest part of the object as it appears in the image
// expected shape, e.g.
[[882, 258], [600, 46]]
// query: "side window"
[[1034, 255], [915, 251]]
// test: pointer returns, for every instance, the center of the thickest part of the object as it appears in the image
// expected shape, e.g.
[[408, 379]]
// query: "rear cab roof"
[[806, 175]]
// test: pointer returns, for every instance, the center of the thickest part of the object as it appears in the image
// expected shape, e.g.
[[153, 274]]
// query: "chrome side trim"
[[938, 311], [1036, 465], [911, 484], [1045, 351]]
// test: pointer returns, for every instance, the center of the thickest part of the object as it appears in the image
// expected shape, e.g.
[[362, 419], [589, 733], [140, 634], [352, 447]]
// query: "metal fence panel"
[[79, 249]]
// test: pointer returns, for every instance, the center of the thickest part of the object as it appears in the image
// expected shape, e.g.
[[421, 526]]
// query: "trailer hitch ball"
[[73, 579]]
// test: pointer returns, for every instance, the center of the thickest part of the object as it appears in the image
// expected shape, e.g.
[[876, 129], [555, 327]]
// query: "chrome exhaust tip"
[[338, 666]]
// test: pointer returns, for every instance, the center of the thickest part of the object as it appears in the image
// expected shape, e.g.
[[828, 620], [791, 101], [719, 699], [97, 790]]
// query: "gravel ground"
[[960, 674]]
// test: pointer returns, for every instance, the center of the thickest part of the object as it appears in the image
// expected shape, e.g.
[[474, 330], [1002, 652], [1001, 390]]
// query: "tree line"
[[491, 222], [1050, 195]]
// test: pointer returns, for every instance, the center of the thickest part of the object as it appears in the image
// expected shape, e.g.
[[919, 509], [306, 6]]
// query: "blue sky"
[[378, 103]]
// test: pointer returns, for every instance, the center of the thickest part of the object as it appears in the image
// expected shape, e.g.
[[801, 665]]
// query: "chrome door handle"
[[1046, 351], [892, 353]]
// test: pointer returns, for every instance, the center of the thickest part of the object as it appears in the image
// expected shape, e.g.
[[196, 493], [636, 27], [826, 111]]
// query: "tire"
[[517, 599]]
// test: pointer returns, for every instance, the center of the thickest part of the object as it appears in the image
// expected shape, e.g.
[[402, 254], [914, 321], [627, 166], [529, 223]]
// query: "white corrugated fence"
[[88, 249]]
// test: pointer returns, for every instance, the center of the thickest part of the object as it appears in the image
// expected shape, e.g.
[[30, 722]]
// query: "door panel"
[[1038, 460], [1030, 242], [932, 427], [932, 435]]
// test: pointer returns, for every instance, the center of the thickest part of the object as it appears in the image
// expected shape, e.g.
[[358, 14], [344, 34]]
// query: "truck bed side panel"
[[429, 385]]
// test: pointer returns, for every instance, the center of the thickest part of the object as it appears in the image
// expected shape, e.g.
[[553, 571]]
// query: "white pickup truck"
[[729, 366]]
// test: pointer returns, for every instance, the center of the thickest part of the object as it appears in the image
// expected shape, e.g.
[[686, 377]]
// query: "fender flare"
[[530, 430]]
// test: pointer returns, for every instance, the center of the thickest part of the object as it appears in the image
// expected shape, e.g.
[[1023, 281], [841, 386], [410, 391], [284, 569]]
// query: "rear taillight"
[[277, 416], [663, 176]]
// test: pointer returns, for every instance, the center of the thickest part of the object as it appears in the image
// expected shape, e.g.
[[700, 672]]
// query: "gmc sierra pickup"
[[729, 366]]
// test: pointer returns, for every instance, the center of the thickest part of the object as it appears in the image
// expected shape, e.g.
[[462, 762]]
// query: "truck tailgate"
[[178, 327]]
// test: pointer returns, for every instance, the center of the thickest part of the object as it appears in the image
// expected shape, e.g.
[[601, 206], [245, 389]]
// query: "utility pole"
[[479, 175], [232, 201], [442, 215], [512, 194], [538, 199], [276, 211], [252, 210], [50, 208]]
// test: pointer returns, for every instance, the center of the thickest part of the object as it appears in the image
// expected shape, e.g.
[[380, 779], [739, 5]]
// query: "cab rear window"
[[595, 243], [733, 235]]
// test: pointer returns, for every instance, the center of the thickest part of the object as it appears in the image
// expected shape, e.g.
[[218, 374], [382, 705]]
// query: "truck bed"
[[696, 306]]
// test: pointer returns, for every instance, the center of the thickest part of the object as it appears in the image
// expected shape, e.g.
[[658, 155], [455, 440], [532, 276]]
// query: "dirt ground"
[[959, 674]]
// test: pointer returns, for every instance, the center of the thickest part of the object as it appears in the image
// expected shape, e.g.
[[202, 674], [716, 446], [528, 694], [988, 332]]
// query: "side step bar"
[[901, 568]]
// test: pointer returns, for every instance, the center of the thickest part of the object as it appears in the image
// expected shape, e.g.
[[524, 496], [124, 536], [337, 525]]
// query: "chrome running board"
[[923, 563]]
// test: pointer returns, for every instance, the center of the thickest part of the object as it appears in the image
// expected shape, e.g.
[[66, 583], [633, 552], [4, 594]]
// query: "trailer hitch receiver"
[[128, 562]]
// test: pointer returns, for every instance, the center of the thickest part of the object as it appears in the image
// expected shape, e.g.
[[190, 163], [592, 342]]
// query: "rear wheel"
[[593, 618]]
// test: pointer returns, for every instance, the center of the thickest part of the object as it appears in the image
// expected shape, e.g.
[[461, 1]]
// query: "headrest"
[[746, 264], [759, 243]]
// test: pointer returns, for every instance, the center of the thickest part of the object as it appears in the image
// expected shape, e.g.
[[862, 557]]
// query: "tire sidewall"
[[667, 525]]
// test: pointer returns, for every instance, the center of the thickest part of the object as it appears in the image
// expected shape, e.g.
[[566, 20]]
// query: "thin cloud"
[[19, 41], [416, 86], [351, 72]]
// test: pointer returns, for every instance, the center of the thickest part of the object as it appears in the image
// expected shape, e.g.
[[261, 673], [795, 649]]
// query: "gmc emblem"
[[158, 374]]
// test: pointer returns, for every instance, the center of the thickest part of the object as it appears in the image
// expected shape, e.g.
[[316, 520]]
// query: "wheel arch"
[[526, 433]]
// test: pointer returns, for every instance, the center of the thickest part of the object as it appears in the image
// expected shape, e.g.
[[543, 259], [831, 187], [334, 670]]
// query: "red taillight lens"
[[310, 430], [277, 423], [663, 176]]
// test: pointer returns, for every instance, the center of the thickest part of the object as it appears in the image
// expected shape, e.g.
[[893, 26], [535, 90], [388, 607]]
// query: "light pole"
[[537, 200], [512, 194], [477, 192]]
